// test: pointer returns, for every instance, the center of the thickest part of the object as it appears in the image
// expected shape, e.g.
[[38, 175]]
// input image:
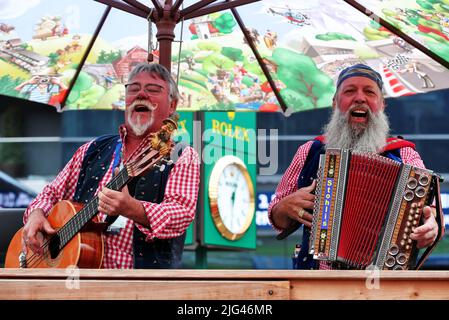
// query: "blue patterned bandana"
[[360, 70]]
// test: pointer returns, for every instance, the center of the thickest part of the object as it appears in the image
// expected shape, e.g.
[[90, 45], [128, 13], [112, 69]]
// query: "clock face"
[[231, 196]]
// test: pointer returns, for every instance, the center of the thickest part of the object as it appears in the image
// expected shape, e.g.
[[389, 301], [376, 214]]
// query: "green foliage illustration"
[[307, 87]]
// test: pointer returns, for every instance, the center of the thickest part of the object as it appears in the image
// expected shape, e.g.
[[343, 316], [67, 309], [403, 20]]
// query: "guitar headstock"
[[157, 152]]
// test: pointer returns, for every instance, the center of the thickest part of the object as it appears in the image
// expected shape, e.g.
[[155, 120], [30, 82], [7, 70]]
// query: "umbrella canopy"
[[226, 55]]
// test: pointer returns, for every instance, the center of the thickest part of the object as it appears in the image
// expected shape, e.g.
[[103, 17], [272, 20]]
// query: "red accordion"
[[366, 206]]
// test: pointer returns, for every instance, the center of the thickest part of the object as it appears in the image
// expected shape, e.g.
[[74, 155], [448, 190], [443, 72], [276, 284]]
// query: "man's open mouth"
[[359, 113], [141, 108]]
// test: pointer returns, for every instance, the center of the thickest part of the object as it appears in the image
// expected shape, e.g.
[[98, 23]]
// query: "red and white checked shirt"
[[289, 181], [168, 219]]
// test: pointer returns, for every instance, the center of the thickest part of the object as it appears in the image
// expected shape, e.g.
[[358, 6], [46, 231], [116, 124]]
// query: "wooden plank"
[[223, 284], [29, 289], [218, 274], [359, 289]]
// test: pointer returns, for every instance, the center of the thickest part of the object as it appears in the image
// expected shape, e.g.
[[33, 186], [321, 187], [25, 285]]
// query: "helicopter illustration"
[[293, 16]]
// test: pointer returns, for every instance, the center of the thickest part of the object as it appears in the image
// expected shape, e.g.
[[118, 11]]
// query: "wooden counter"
[[87, 284]]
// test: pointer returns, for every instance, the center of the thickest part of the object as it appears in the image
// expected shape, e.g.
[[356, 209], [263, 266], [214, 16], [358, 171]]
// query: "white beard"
[[341, 134], [139, 127]]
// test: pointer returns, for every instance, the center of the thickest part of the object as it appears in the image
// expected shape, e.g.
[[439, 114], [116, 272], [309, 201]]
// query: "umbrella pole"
[[165, 23]]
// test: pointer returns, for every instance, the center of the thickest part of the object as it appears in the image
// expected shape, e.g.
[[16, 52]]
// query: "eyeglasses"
[[151, 89]]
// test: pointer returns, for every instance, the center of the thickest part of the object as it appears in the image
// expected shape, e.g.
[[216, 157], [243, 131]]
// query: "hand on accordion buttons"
[[426, 234]]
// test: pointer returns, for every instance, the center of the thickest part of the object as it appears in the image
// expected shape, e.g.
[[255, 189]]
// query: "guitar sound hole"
[[53, 247]]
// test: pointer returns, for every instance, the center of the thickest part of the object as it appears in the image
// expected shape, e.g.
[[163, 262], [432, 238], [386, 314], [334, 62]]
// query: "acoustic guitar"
[[79, 237]]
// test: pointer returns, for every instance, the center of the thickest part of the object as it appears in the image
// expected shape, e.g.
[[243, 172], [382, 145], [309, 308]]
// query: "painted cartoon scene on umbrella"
[[307, 44], [303, 46], [426, 21]]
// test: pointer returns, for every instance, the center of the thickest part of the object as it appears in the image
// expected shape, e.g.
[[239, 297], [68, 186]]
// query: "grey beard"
[[138, 127], [340, 134]]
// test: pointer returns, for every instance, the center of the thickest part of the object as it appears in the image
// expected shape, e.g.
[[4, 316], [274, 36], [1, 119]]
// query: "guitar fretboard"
[[79, 220]]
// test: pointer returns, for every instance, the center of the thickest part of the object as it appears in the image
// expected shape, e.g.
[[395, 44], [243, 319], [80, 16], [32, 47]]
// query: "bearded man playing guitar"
[[151, 212]]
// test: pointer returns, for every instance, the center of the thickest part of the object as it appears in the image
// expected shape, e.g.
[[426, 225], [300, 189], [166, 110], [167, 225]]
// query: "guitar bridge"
[[22, 260]]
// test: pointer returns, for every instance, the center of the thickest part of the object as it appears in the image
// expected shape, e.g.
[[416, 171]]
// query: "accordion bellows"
[[366, 206]]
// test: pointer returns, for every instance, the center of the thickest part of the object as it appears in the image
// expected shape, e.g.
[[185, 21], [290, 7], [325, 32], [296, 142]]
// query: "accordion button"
[[412, 183], [406, 230], [408, 195], [394, 249], [410, 218], [390, 261], [415, 222], [424, 180], [407, 247], [420, 192], [408, 224], [409, 241], [404, 236], [401, 259], [414, 205], [416, 216], [402, 242]]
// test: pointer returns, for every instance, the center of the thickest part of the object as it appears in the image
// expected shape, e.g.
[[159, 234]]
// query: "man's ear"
[[173, 105], [334, 103]]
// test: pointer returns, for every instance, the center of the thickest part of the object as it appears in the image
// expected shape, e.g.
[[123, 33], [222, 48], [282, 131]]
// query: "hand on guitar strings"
[[114, 203], [33, 232]]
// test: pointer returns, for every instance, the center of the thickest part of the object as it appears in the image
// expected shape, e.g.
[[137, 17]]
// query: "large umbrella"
[[226, 55]]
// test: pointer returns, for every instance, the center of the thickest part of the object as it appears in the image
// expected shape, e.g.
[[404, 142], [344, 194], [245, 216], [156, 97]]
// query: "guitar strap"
[[117, 162]]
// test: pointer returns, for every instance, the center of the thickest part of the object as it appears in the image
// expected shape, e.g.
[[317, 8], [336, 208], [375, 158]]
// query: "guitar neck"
[[80, 219]]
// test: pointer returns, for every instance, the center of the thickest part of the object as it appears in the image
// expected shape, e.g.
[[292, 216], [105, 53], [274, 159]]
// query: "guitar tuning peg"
[[161, 167]]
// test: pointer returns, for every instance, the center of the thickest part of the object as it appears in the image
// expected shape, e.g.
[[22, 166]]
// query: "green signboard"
[[184, 135], [229, 176]]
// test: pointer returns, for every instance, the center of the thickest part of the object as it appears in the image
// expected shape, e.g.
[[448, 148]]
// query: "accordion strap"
[[440, 221]]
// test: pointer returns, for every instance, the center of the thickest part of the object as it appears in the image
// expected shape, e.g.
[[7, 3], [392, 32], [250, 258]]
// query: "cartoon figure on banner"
[[109, 79], [270, 39], [416, 68], [41, 88], [253, 34]]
